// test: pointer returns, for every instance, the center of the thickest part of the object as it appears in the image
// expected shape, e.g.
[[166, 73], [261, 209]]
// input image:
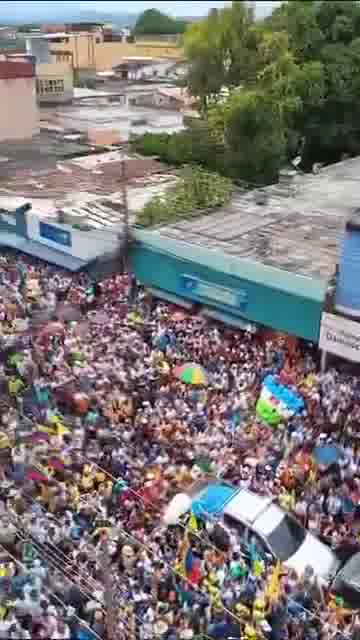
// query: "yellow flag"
[[273, 587], [192, 525], [257, 568], [182, 553], [3, 571]]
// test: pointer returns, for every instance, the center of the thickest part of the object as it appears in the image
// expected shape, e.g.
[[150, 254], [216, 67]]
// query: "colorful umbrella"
[[191, 373]]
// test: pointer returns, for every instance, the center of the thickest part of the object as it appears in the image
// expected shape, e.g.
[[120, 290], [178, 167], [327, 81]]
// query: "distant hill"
[[51, 13], [154, 22]]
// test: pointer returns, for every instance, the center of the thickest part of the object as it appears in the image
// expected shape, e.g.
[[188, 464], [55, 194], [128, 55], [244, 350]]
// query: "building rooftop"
[[116, 111], [96, 174], [13, 68], [295, 228], [40, 153], [85, 190]]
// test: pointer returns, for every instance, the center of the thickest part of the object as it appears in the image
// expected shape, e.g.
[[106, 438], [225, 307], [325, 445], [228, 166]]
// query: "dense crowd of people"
[[98, 435]]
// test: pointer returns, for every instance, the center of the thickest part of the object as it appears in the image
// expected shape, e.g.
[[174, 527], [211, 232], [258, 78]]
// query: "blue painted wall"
[[256, 303]]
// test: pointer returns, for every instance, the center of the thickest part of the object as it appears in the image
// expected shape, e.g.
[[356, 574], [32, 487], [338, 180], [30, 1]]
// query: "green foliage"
[[197, 190], [221, 51], [255, 136], [270, 90], [324, 41], [198, 144], [291, 84], [154, 22]]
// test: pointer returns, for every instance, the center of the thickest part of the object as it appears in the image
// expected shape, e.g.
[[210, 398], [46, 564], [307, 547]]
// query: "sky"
[[28, 8], [184, 7]]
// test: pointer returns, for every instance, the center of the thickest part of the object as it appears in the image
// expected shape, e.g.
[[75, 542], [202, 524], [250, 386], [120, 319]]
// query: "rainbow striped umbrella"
[[191, 373]]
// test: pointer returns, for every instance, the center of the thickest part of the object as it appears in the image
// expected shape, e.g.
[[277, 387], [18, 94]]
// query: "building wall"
[[263, 305], [85, 245], [54, 82], [19, 113], [108, 54], [39, 48], [90, 52], [82, 48], [158, 100]]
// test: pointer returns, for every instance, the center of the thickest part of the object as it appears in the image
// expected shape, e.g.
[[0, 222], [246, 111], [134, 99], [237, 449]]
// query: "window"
[[286, 539], [46, 87], [62, 57]]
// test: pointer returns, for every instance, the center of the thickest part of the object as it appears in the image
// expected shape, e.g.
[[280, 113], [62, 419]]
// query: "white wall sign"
[[340, 336]]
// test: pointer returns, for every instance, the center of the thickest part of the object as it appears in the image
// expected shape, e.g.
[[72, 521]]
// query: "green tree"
[[195, 192], [255, 136], [205, 49], [271, 90], [221, 51], [154, 22], [298, 20], [323, 39]]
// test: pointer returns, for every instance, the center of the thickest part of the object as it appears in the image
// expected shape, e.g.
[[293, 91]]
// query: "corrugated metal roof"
[[294, 225], [242, 268]]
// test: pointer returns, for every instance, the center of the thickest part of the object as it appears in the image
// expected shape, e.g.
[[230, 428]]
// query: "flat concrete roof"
[[297, 228], [115, 112]]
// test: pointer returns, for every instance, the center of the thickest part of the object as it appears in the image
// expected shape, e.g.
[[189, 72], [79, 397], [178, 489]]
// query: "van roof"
[[246, 506]]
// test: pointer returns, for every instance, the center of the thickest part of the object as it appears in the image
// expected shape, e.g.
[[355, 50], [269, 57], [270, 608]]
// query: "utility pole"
[[126, 231]]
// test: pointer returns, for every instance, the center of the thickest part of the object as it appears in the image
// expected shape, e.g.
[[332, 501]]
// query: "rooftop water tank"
[[348, 281]]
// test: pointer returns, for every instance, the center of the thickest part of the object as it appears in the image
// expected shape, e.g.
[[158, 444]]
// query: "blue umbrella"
[[327, 454]]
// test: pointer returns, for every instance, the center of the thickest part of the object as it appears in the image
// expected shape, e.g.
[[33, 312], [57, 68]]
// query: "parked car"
[[280, 534]]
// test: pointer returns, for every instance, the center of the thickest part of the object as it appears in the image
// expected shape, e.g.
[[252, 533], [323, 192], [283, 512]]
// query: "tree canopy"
[[290, 82], [154, 22], [272, 90]]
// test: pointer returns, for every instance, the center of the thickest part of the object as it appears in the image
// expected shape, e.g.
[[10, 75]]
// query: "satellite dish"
[[316, 168], [296, 161]]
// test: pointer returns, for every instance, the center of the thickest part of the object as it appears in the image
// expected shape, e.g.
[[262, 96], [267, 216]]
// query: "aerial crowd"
[[98, 434]]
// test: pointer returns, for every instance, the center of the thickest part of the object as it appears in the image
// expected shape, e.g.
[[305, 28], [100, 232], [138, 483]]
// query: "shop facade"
[[234, 291]]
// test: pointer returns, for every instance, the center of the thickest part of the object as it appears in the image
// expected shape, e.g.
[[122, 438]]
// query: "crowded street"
[[112, 404]]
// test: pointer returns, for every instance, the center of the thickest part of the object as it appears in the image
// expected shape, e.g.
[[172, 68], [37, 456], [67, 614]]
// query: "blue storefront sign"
[[196, 288], [55, 234]]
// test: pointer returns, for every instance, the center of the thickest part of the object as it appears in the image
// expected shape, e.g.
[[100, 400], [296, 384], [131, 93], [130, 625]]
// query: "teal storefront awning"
[[227, 318], [232, 290], [170, 297]]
